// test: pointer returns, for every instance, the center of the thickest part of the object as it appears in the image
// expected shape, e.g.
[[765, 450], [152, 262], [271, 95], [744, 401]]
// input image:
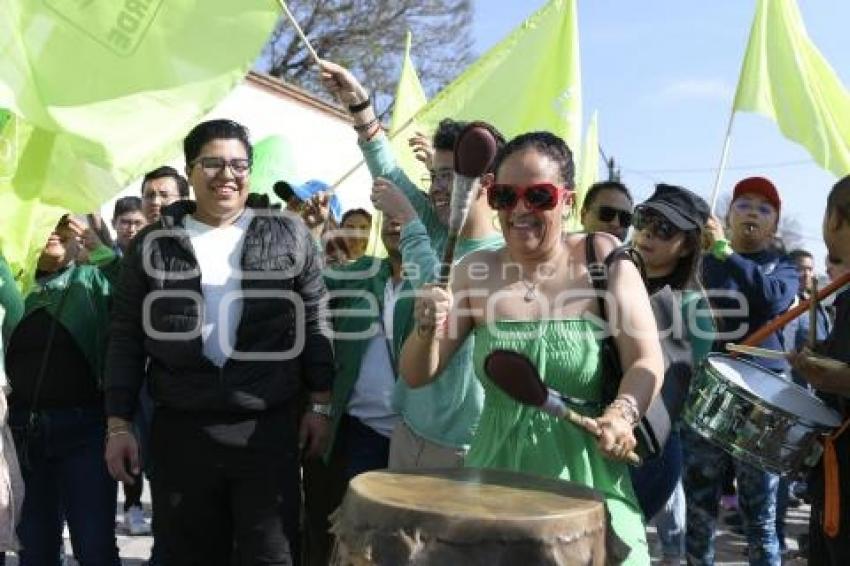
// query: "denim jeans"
[[782, 497], [656, 479], [671, 524], [65, 476], [705, 468]]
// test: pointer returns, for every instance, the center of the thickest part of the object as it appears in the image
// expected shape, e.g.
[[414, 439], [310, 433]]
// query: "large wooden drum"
[[466, 517]]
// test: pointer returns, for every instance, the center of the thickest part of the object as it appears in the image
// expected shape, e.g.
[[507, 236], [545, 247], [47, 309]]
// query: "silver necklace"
[[530, 290]]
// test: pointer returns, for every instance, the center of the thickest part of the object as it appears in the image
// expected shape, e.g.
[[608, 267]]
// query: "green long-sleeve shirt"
[[11, 300], [447, 410]]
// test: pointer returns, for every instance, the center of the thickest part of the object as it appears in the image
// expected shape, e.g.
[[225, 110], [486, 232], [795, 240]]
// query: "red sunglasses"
[[539, 196]]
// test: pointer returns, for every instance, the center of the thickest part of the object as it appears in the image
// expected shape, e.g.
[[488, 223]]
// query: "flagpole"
[[315, 57], [360, 163], [723, 157], [298, 30]]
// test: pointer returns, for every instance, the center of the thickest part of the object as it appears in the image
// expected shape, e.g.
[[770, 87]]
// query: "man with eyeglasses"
[[607, 207], [222, 307], [161, 187], [128, 220], [745, 274], [438, 420]]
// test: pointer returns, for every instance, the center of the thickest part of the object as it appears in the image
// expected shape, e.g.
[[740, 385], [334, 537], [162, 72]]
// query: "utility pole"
[[613, 170]]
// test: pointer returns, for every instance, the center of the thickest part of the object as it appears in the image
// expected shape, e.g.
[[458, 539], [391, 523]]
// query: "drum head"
[[506, 500], [471, 516], [774, 389]]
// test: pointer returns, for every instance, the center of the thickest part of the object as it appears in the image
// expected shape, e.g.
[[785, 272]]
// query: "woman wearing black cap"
[[667, 235]]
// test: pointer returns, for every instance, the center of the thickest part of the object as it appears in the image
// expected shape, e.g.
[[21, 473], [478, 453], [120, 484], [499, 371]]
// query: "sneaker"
[[729, 502], [134, 521]]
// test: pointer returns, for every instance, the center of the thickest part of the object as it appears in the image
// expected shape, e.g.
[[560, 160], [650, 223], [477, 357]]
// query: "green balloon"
[[273, 161]]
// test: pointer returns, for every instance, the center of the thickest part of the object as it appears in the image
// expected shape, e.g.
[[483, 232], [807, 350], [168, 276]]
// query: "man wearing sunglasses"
[[607, 207], [743, 273], [438, 420]]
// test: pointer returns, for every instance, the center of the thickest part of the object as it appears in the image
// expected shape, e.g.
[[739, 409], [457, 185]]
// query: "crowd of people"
[[239, 355]]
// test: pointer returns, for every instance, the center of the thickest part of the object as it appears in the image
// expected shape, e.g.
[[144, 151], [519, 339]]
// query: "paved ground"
[[730, 551]]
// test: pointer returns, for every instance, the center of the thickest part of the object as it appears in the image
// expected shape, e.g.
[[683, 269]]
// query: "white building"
[[321, 136]]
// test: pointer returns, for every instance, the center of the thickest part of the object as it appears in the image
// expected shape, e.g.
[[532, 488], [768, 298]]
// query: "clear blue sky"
[[662, 75]]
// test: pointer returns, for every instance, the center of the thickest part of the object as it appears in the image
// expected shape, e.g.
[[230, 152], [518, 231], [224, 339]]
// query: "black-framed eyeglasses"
[[212, 166], [659, 226], [608, 213]]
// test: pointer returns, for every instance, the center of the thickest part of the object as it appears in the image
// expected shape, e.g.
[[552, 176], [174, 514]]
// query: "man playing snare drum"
[[740, 273], [829, 482]]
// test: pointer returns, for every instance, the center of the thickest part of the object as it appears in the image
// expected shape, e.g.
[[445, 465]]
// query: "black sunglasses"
[[660, 227], [607, 214]]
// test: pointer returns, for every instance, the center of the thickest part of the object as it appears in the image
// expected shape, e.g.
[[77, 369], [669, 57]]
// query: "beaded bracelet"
[[627, 408], [360, 128]]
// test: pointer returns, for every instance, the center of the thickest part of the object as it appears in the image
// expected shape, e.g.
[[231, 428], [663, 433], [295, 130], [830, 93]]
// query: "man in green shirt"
[[438, 420]]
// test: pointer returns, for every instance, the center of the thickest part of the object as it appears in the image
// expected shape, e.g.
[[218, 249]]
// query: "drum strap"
[[832, 487]]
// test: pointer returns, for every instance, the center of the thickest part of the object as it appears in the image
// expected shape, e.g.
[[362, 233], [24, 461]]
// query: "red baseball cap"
[[758, 186]]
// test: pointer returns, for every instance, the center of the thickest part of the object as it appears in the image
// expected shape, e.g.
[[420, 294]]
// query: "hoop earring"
[[494, 221]]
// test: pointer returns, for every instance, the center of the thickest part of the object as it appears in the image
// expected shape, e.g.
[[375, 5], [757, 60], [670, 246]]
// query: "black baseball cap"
[[284, 191], [684, 209]]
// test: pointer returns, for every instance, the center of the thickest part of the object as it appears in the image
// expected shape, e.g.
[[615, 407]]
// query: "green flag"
[[588, 170], [104, 91], [785, 78], [24, 223], [530, 80], [409, 99]]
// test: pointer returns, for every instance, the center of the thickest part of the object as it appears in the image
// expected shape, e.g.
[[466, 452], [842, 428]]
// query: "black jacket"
[[157, 310]]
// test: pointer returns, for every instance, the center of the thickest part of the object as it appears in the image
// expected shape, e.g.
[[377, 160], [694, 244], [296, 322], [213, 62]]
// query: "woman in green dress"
[[535, 296]]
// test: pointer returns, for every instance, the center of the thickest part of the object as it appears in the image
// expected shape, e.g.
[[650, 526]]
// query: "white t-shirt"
[[371, 399], [219, 254]]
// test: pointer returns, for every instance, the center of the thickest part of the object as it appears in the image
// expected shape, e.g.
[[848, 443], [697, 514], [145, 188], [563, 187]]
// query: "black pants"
[[226, 490], [823, 549]]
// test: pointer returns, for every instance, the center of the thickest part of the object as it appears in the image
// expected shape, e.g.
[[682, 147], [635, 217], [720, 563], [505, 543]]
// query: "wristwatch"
[[323, 409]]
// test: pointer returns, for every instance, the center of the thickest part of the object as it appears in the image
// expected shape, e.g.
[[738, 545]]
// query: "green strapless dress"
[[515, 437]]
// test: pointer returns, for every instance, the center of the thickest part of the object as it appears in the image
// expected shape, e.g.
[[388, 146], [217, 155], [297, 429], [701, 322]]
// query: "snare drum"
[[467, 516], [757, 415]]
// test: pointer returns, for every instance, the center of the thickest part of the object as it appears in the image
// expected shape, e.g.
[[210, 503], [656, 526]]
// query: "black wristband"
[[360, 107]]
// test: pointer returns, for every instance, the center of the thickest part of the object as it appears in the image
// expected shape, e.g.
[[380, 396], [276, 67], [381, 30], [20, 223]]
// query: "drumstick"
[[813, 316], [824, 363], [758, 352], [474, 152], [514, 374], [765, 331]]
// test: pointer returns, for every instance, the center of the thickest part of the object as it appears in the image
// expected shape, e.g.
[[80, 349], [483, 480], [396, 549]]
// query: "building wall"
[[321, 136]]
